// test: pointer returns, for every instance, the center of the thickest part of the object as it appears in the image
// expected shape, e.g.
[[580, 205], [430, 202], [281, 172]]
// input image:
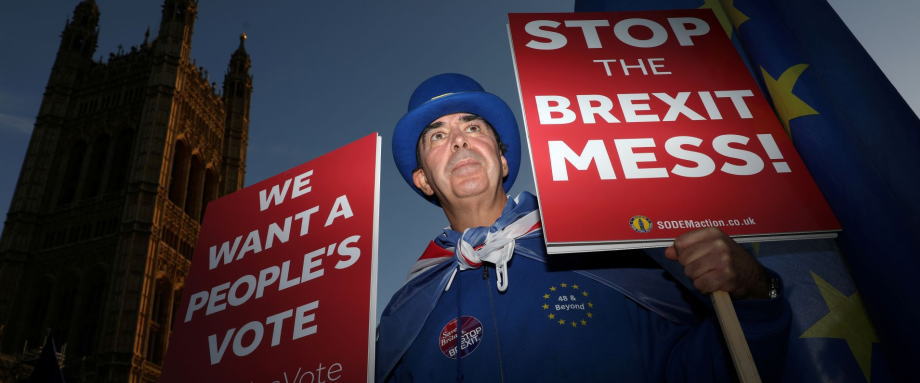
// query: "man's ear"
[[421, 181], [504, 166]]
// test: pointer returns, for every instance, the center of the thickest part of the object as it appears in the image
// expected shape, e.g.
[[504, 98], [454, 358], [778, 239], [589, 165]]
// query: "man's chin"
[[472, 189]]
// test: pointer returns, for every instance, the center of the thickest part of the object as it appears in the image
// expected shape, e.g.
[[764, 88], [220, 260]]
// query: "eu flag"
[[860, 141]]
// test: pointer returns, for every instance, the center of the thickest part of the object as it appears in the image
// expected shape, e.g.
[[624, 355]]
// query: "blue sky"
[[327, 73]]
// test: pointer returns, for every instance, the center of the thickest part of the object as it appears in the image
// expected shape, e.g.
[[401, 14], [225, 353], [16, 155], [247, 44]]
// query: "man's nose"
[[459, 141]]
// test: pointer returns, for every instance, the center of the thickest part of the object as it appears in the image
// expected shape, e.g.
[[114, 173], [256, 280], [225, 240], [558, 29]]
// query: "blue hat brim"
[[488, 106]]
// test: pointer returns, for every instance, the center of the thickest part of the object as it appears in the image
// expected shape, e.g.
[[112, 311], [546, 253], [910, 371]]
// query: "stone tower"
[[124, 157]]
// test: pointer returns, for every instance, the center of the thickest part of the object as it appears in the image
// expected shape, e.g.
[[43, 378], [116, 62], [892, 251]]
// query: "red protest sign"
[[645, 125], [282, 283]]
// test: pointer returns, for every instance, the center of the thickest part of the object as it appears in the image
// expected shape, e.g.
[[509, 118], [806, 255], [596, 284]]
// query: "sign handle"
[[734, 337]]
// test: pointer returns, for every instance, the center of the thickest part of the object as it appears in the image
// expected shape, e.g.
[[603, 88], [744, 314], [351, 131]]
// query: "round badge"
[[469, 338], [640, 224]]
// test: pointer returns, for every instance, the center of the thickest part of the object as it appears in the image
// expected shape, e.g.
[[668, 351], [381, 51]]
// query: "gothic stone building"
[[123, 159]]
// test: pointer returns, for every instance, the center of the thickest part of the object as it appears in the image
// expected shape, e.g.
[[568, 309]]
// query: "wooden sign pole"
[[734, 337]]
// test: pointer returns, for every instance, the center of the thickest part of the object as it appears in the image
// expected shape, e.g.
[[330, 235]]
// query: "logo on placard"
[[640, 224], [568, 305], [469, 338]]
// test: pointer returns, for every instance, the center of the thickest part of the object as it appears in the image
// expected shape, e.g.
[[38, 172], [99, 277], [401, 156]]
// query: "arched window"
[[121, 162], [177, 298], [93, 298], [97, 162], [158, 330], [179, 174], [195, 188], [66, 293], [39, 311], [73, 168], [210, 190]]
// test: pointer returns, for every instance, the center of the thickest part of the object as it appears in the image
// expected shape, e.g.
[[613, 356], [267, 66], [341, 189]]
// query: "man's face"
[[459, 158]]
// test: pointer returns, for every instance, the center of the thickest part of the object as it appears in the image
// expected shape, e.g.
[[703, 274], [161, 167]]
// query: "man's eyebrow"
[[438, 124], [433, 125], [470, 117]]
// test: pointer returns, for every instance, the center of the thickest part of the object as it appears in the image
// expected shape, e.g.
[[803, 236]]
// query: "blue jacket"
[[565, 319]]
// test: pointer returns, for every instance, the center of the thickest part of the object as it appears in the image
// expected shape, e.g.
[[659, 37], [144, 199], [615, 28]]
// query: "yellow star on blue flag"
[[846, 319], [726, 13], [788, 106]]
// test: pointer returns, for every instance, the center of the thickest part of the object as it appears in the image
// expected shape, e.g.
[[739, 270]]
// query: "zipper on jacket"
[[498, 343]]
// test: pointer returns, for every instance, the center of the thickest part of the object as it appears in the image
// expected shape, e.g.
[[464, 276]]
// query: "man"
[[543, 319]]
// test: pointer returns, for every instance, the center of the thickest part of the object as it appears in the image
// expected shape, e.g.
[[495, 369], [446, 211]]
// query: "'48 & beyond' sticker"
[[568, 305]]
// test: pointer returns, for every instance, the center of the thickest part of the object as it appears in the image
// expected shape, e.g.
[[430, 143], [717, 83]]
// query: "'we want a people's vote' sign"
[[282, 283], [645, 125]]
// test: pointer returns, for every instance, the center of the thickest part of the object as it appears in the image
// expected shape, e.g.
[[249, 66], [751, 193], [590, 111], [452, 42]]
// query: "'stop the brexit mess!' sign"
[[644, 125], [282, 283]]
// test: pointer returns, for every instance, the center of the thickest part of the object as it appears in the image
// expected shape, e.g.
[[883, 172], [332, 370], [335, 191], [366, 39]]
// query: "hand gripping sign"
[[282, 283], [645, 125]]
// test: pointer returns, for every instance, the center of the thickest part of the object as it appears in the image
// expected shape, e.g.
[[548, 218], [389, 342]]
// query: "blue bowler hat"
[[449, 93]]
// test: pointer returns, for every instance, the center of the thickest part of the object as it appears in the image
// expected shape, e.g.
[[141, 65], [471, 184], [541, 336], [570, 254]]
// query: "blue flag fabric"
[[831, 339], [860, 141]]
